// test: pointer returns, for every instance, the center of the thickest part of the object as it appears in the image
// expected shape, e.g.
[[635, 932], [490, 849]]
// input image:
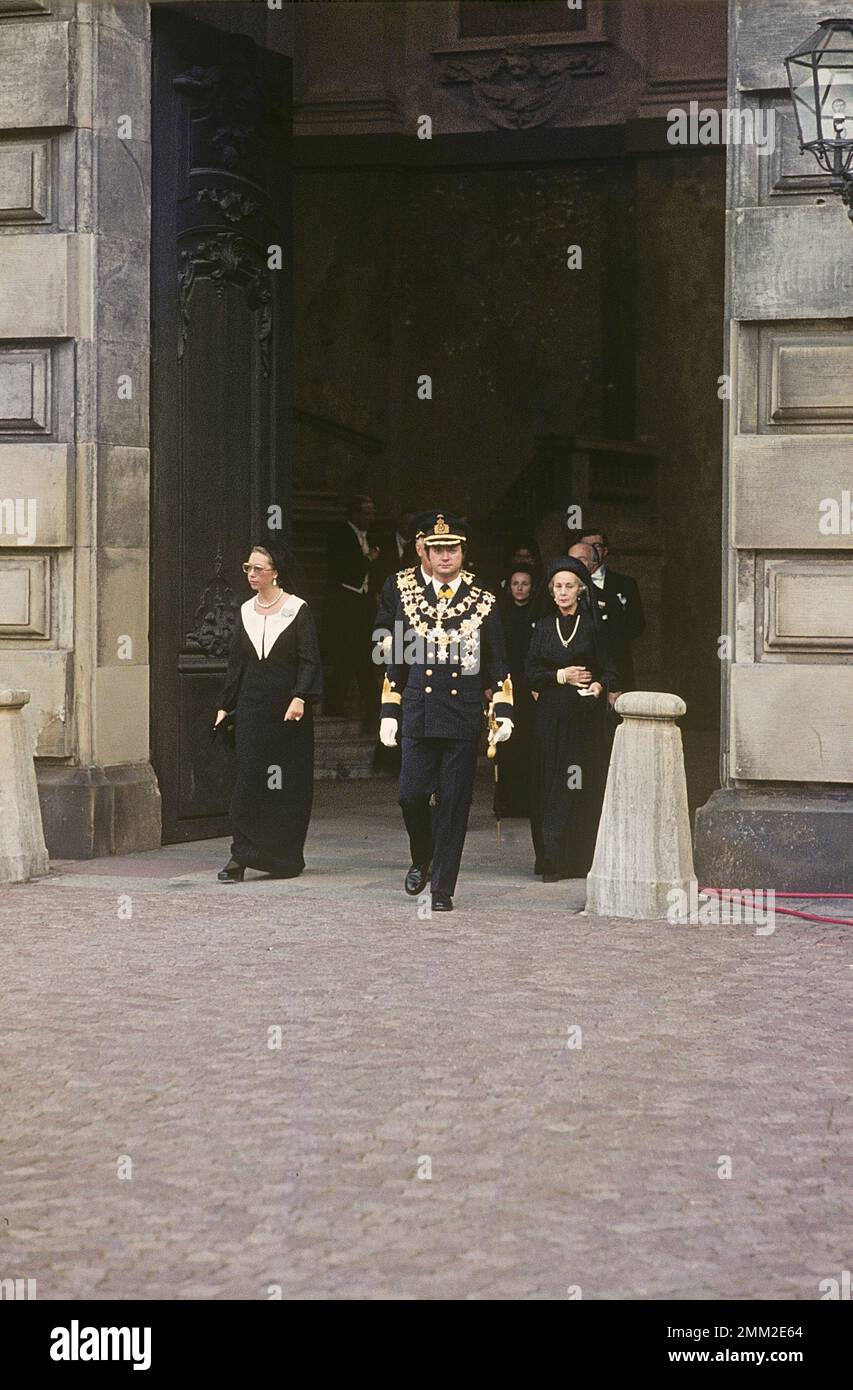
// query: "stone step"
[[341, 749], [330, 728], [345, 758]]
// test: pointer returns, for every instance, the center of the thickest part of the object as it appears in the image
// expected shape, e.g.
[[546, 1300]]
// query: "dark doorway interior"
[[220, 401], [551, 386]]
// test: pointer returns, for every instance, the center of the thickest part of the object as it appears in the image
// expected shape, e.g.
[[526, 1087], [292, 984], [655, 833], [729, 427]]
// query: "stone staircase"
[[342, 752], [613, 481]]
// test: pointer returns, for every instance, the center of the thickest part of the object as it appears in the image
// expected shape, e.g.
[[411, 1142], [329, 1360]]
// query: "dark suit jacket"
[[624, 611], [345, 562], [390, 562]]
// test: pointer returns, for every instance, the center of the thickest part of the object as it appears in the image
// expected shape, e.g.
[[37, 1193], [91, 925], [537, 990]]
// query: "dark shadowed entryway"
[[220, 403]]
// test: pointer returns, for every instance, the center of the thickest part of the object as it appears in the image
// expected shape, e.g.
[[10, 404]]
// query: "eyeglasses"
[[256, 569]]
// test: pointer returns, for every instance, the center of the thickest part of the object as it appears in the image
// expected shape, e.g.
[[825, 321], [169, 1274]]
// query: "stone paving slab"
[[405, 1040]]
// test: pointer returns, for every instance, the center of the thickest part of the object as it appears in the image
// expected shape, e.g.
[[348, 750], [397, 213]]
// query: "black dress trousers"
[[445, 766]]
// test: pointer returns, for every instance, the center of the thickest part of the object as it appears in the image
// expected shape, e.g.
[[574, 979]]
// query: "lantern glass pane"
[[837, 48], [820, 73], [836, 104], [802, 91]]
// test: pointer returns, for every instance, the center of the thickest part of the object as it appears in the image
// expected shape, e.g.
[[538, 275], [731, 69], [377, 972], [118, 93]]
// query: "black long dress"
[[512, 786], [273, 659], [570, 748]]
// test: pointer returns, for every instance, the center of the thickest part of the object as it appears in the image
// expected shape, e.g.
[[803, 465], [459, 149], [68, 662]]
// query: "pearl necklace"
[[267, 605]]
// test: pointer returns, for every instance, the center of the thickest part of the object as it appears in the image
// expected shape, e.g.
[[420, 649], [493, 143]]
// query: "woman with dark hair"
[[274, 677], [512, 778], [570, 666]]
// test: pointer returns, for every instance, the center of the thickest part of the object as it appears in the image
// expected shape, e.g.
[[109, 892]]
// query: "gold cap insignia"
[[441, 527]]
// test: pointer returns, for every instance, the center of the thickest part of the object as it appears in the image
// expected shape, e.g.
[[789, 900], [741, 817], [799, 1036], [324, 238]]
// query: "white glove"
[[502, 732], [388, 733]]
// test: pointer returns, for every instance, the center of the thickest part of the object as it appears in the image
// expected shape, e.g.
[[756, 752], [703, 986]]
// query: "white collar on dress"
[[273, 624]]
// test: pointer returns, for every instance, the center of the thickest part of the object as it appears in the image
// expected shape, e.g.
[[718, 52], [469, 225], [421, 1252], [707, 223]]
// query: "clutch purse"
[[225, 732]]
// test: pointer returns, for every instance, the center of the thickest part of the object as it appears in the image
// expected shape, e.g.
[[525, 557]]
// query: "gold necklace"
[[566, 641]]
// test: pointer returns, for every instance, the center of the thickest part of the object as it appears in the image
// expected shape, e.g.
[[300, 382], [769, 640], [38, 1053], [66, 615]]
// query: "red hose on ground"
[[814, 895], [792, 912]]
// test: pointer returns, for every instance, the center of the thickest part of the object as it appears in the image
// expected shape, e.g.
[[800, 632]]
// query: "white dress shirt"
[[452, 584], [365, 550]]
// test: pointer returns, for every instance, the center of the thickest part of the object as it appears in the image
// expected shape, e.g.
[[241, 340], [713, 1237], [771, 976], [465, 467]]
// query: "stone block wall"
[[74, 332]]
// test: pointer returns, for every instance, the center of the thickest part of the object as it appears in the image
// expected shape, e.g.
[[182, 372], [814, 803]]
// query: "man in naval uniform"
[[432, 698]]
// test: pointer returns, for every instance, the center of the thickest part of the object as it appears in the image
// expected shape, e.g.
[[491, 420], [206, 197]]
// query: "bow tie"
[[445, 591]]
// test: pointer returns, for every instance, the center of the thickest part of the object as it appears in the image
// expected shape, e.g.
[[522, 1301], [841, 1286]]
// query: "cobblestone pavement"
[[406, 1045]]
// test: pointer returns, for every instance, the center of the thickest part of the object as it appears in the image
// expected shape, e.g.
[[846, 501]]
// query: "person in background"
[[570, 667], [419, 565], [586, 553], [622, 598], [397, 553], [349, 609], [512, 783], [525, 553], [609, 617]]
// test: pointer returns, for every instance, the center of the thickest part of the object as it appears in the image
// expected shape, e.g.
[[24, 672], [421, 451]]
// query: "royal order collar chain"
[[427, 618]]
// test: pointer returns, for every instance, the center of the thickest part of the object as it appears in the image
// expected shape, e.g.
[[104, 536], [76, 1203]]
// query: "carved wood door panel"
[[220, 402]]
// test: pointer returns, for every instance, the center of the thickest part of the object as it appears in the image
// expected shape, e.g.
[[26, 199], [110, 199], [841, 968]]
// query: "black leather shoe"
[[232, 873], [416, 879], [551, 878], [442, 902]]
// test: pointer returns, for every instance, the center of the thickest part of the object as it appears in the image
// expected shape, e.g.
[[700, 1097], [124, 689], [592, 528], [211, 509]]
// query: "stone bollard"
[[644, 849], [22, 849]]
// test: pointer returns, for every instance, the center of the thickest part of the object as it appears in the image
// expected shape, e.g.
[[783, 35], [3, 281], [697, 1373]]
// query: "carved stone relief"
[[521, 85]]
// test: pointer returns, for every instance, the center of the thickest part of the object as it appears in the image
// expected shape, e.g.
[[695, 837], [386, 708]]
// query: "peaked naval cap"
[[441, 528]]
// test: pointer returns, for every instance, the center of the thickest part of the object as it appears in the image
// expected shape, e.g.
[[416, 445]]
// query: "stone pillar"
[[22, 849], [74, 362], [643, 850], [783, 817]]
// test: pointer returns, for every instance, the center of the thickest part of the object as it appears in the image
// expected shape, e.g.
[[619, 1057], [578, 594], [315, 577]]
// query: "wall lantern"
[[820, 74]]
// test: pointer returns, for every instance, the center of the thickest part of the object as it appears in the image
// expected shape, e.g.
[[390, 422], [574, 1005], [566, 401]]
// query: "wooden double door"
[[220, 377]]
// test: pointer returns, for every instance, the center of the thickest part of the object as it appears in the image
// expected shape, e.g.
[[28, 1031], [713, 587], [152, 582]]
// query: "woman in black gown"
[[570, 666], [274, 677], [512, 784]]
